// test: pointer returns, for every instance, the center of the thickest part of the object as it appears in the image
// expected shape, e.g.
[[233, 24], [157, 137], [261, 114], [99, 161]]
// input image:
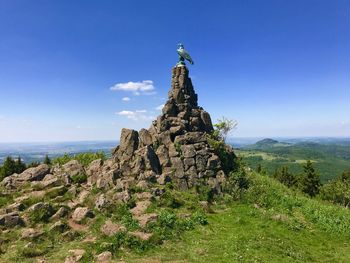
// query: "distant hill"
[[330, 159], [267, 143]]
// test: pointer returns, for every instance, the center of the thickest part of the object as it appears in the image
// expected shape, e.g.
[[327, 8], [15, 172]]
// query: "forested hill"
[[330, 159]]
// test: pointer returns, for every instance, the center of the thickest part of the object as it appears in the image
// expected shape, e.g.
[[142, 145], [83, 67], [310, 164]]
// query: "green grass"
[[267, 222], [242, 233]]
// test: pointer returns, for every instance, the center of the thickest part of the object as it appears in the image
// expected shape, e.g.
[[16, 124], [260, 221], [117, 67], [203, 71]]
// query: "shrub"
[[41, 214], [84, 158], [79, 178], [337, 190]]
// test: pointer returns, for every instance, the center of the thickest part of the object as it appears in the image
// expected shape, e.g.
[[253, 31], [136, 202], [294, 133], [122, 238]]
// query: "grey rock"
[[188, 151], [73, 168], [61, 212], [81, 213], [129, 141], [109, 228], [11, 220], [145, 137], [104, 257]]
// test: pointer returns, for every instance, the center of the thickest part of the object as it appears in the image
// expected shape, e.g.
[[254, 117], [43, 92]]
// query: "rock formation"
[[176, 149], [176, 145]]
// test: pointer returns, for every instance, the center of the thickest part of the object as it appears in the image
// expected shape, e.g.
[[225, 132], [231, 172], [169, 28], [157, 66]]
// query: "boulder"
[[30, 233], [129, 141], [11, 220], [76, 255], [146, 218], [73, 168], [81, 213], [34, 173], [141, 235], [109, 228], [145, 137], [104, 257]]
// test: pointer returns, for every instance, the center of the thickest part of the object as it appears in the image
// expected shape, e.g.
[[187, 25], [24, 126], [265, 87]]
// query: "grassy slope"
[[270, 223], [305, 231], [244, 234]]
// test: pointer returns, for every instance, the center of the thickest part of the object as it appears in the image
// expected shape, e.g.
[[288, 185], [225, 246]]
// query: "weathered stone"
[[205, 117], [73, 167], [164, 178], [34, 174], [141, 235], [176, 130], [191, 172], [213, 162], [59, 226], [188, 151], [173, 152], [101, 202], [165, 137], [150, 159], [109, 228], [122, 197], [163, 156], [170, 108], [188, 162], [191, 138], [129, 141], [144, 196], [146, 218], [93, 171], [140, 208], [42, 206], [61, 212], [104, 257], [201, 163], [15, 207], [76, 255], [145, 137], [11, 220], [178, 167], [81, 213]]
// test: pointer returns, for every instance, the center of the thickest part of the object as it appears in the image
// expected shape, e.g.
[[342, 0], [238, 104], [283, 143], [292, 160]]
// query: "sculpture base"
[[180, 64]]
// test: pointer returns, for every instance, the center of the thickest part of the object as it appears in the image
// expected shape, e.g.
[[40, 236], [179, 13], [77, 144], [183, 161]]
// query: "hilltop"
[[267, 143], [173, 192]]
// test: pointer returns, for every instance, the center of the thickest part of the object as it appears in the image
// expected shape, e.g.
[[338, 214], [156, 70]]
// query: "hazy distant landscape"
[[30, 152]]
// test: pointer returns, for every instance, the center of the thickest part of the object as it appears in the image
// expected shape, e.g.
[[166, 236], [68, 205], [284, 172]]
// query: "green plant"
[[84, 158], [41, 214], [79, 178], [310, 181], [224, 126]]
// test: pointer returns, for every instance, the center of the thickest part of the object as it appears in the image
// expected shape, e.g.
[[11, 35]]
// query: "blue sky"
[[280, 68]]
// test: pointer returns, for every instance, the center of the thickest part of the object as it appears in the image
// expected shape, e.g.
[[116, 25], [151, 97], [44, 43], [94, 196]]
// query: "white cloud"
[[126, 99], [135, 115], [160, 107], [144, 87]]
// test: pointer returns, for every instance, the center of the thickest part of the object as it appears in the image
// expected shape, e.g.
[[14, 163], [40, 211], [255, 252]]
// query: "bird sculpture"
[[183, 55]]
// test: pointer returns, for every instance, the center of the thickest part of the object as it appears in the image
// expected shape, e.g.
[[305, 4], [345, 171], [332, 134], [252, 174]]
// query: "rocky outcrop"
[[175, 147]]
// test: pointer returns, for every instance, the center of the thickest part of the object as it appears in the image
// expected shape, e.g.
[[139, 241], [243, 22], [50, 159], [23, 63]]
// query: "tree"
[[20, 166], [337, 190], [47, 160], [310, 180], [259, 168], [8, 168], [285, 177], [224, 126]]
